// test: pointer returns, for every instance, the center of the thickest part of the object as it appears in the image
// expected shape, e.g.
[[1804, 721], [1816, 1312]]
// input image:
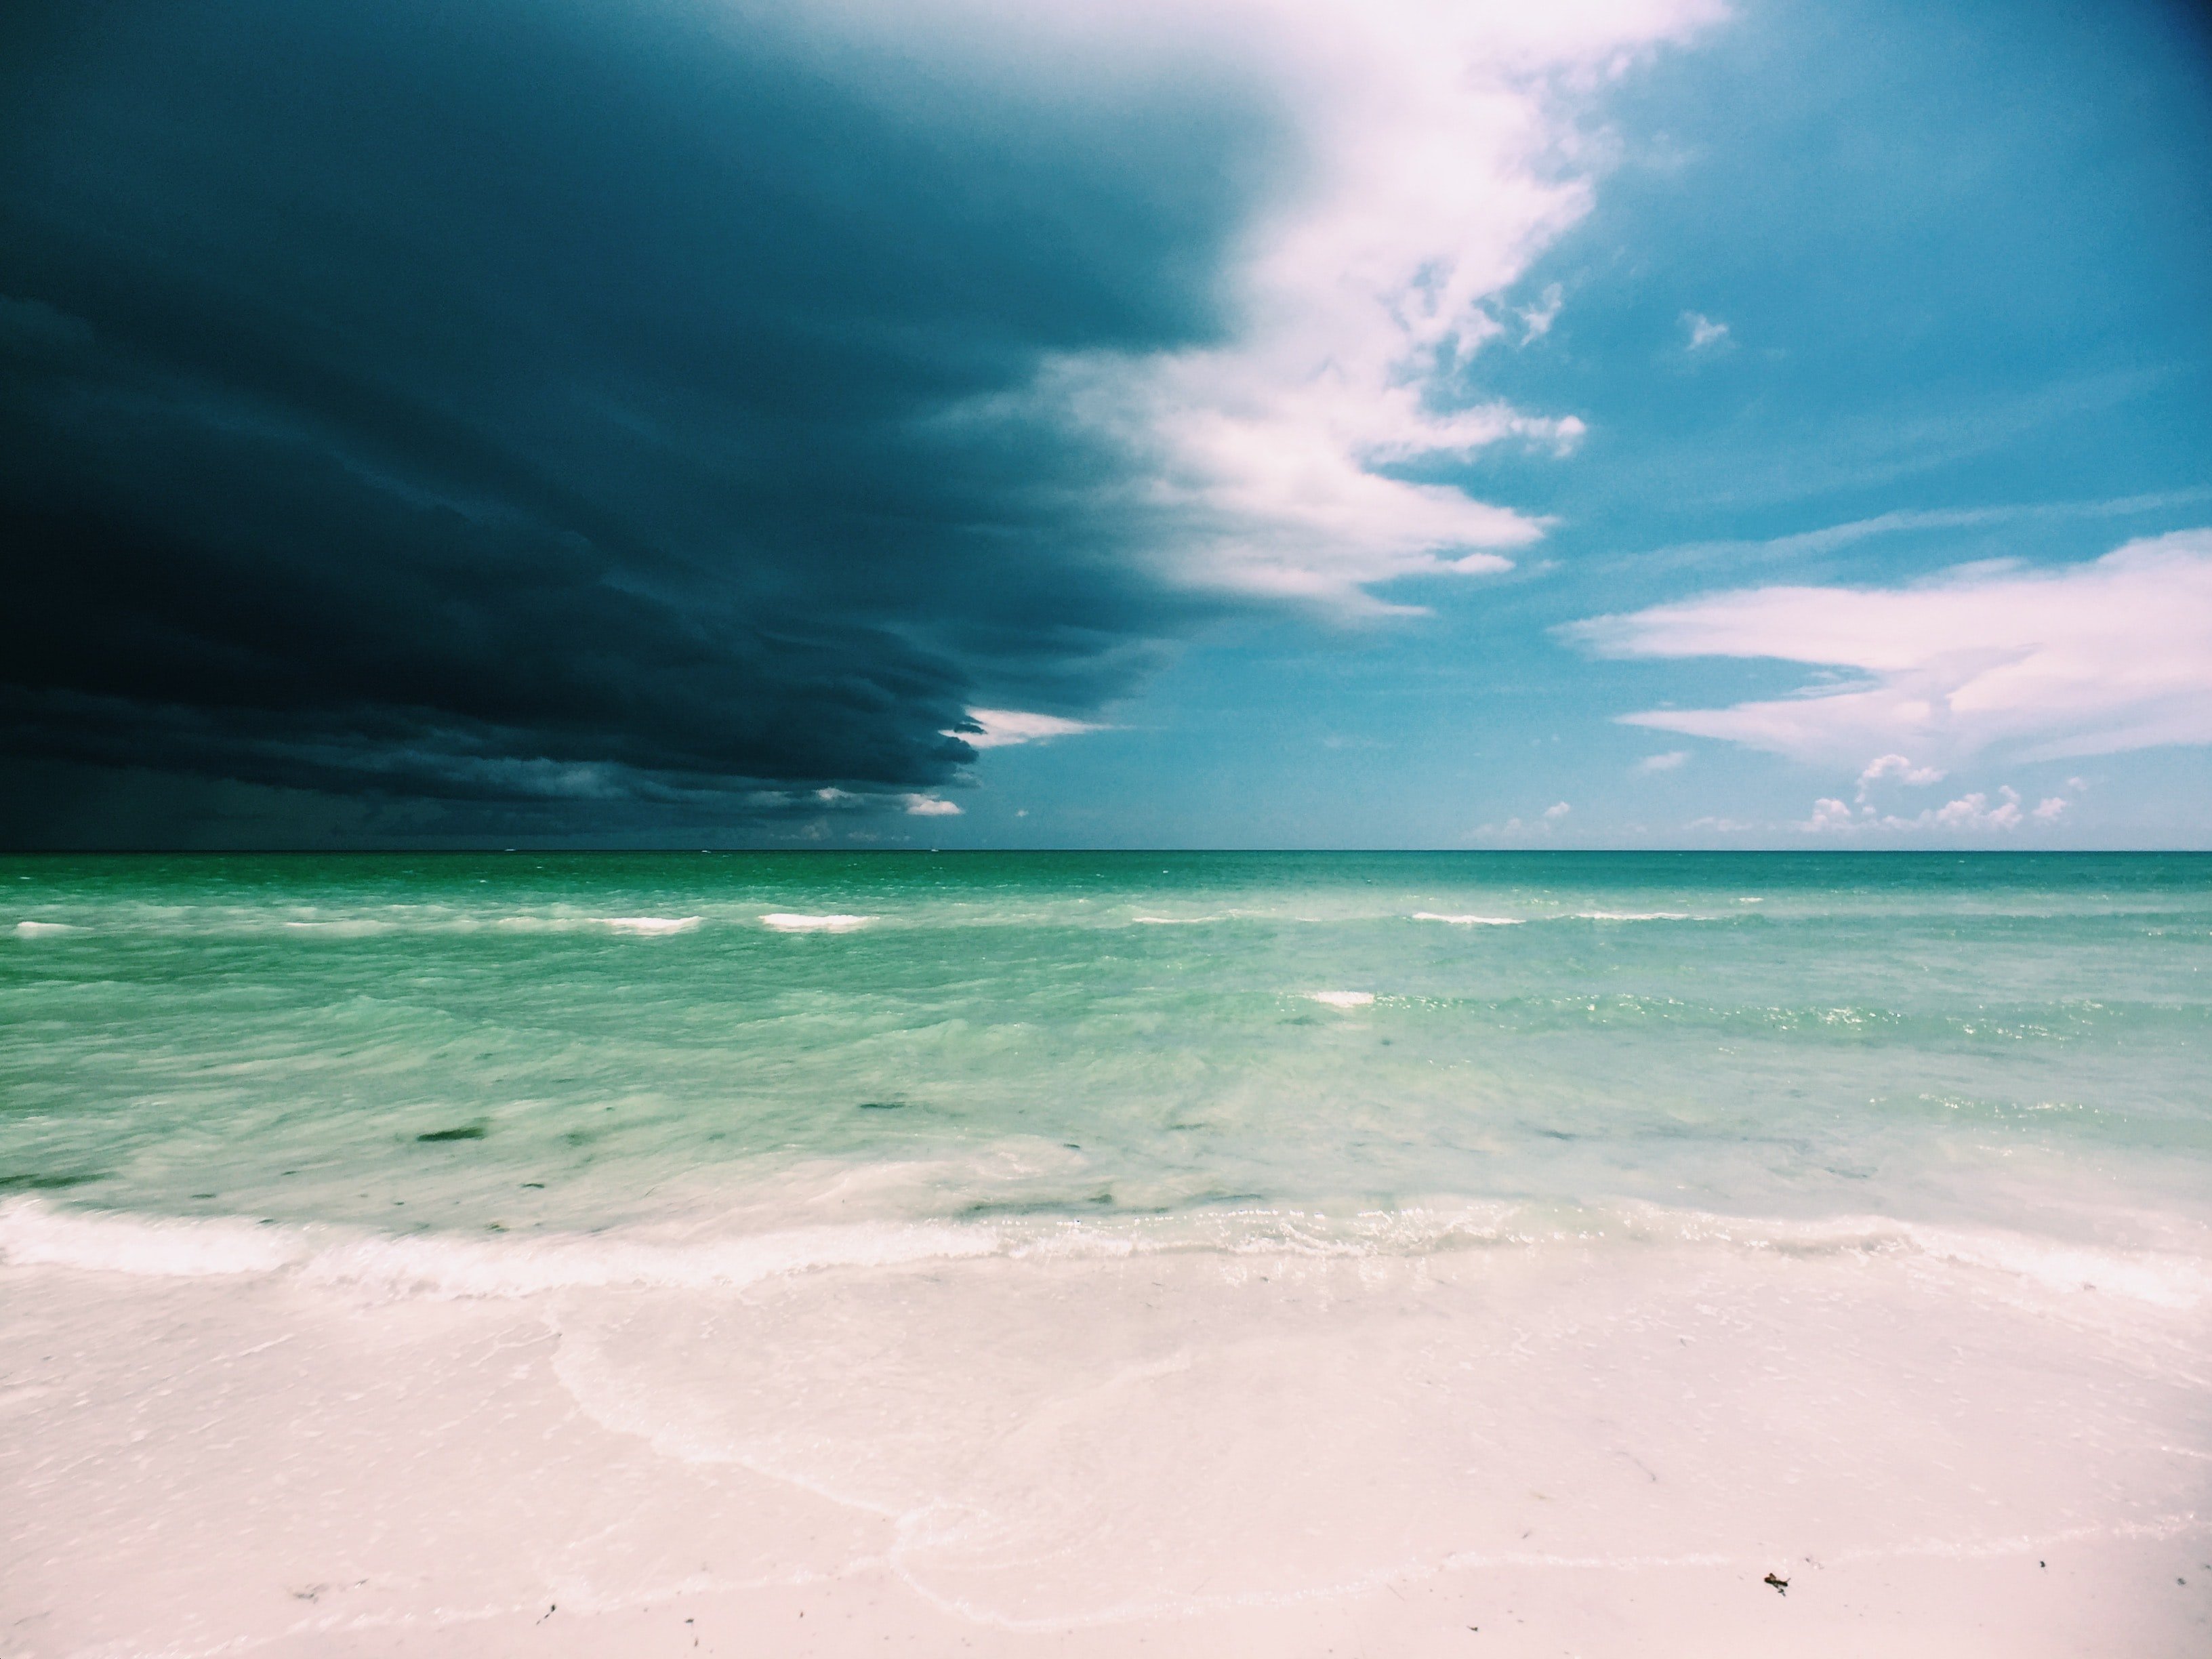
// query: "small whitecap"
[[653, 924], [1470, 921], [785, 921], [42, 929], [1343, 999]]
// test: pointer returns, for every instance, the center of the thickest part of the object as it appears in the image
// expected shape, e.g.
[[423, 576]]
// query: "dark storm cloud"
[[560, 415]]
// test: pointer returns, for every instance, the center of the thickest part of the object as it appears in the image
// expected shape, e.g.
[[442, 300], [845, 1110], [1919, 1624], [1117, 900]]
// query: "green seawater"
[[530, 1041]]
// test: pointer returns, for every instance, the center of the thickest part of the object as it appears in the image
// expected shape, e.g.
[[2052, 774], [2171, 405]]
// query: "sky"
[[1224, 423]]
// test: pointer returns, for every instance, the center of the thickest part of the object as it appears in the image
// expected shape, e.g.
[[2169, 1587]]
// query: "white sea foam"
[[1343, 999], [785, 922], [1172, 921], [42, 929], [1469, 921], [2160, 1277], [654, 924], [450, 1267], [2164, 1279], [1633, 915], [32, 1234]]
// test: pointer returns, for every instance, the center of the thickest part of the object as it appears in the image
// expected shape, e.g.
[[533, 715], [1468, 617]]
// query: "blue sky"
[[1960, 254], [1254, 422]]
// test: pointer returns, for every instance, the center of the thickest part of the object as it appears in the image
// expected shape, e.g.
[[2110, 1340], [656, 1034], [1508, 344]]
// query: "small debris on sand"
[[1781, 1585]]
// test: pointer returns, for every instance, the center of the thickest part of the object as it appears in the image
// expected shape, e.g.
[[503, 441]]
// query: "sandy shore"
[[2097, 1596], [1515, 1452]]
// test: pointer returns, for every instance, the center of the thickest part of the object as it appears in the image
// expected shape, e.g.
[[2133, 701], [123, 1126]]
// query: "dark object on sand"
[[1781, 1585], [466, 1131]]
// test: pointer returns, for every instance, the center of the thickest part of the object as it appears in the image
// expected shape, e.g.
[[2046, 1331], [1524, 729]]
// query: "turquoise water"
[[519, 1041]]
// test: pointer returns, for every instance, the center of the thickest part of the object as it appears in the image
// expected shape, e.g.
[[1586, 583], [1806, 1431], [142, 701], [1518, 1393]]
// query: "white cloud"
[[1004, 727], [1536, 320], [2086, 659], [929, 806], [1445, 145], [1704, 332], [1526, 829], [1828, 815], [1974, 813], [1671, 760], [1898, 767], [1970, 814]]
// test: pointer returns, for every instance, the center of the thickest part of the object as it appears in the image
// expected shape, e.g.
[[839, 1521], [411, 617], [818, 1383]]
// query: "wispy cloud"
[[1669, 761], [929, 806], [2089, 658], [1829, 538], [1706, 334], [1536, 320]]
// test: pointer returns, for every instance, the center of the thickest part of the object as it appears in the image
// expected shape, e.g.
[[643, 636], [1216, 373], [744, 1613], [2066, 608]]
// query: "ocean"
[[1217, 1252]]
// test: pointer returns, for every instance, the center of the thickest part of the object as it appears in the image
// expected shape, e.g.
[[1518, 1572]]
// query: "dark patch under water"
[[466, 1131]]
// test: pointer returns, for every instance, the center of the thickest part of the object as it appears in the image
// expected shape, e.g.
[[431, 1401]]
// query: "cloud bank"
[[2090, 658], [569, 416]]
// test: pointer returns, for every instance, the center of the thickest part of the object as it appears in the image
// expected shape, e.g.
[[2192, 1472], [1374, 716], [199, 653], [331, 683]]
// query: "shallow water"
[[1035, 1213]]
